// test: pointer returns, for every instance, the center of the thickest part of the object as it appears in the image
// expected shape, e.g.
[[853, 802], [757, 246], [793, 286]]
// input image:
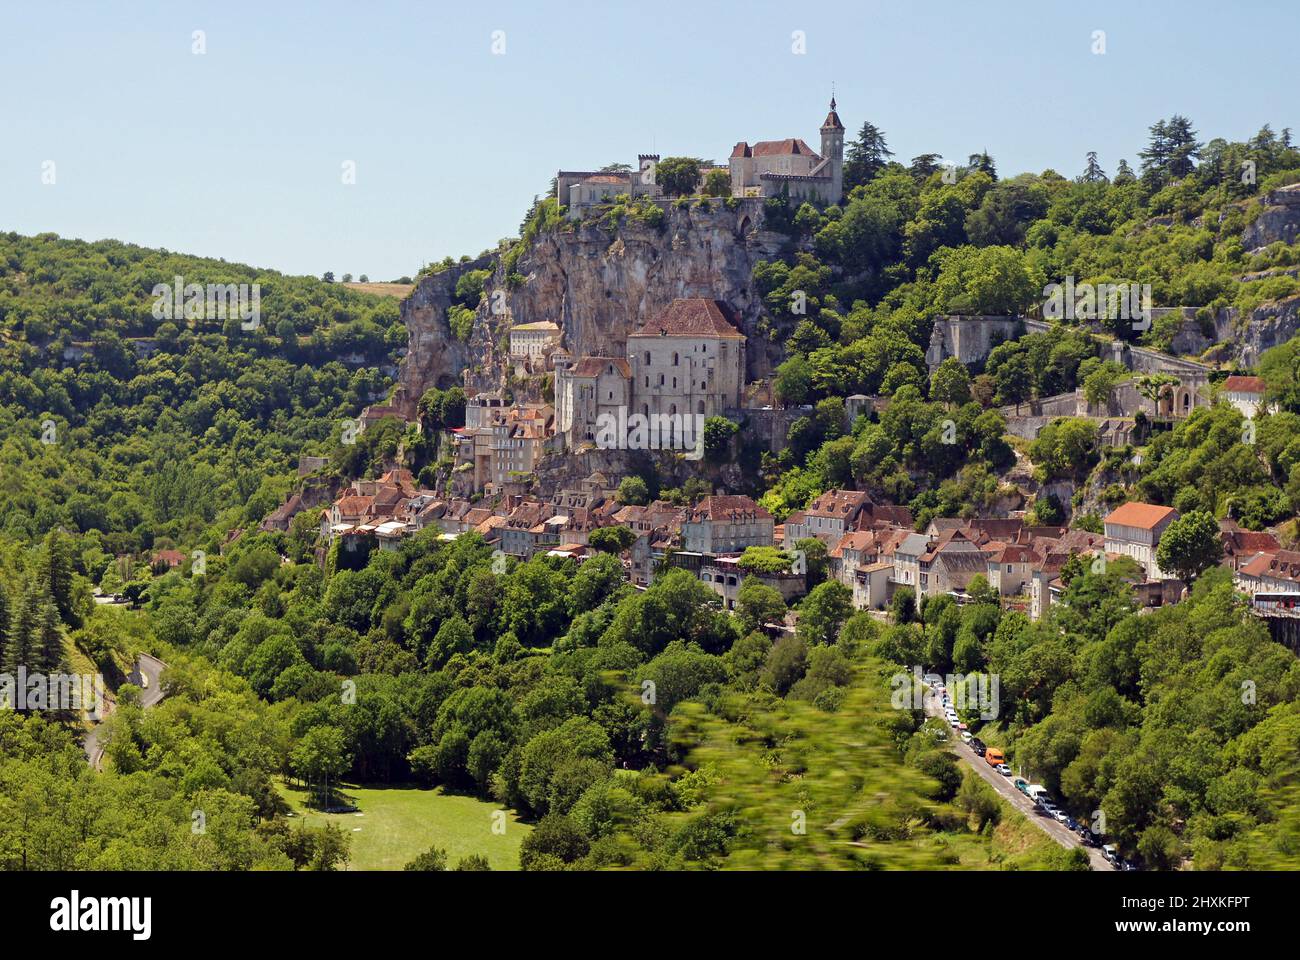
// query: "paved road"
[[1011, 795], [149, 669]]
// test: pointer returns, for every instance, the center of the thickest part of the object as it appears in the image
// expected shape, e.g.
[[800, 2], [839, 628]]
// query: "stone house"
[[1134, 530], [726, 524]]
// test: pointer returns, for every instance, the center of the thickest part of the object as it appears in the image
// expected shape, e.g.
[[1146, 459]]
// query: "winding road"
[[147, 669]]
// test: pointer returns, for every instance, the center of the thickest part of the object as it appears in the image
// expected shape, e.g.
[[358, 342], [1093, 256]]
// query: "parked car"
[[1003, 769], [1047, 808], [1071, 824], [1060, 815], [993, 756], [1021, 784], [965, 737], [1089, 838], [977, 745], [1109, 852]]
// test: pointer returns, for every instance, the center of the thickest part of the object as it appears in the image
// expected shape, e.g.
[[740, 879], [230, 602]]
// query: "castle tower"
[[833, 150]]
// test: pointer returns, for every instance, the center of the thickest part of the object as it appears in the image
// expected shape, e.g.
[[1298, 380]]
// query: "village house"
[[871, 585], [828, 518], [1010, 567], [1247, 395], [949, 565], [530, 343], [724, 576], [1241, 546], [1134, 530], [1274, 572], [726, 524]]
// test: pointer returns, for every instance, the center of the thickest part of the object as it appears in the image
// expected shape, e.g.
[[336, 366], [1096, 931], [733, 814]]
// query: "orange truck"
[[993, 756]]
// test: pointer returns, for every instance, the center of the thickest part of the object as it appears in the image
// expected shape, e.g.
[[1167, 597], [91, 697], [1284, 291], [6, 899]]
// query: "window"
[[675, 360], [647, 358]]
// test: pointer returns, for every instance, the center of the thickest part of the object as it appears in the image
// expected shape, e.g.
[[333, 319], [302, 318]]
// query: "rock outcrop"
[[1278, 219], [599, 283]]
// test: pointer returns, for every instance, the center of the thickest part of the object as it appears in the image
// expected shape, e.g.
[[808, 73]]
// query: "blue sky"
[[239, 152]]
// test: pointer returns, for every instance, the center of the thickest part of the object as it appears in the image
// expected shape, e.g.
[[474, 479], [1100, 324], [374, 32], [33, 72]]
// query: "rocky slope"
[[598, 282]]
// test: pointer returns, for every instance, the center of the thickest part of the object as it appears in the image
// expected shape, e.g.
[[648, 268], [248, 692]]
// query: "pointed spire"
[[832, 118]]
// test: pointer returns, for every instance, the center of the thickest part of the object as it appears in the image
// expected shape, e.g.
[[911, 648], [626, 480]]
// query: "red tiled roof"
[[1143, 516], [790, 146], [727, 508], [354, 506], [694, 317], [838, 503], [1245, 385], [1282, 565], [595, 366]]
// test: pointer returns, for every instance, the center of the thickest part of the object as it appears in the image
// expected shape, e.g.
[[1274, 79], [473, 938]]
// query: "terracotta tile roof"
[[1248, 542], [693, 317], [731, 507], [1245, 385], [838, 504], [1015, 553], [790, 146], [1282, 565], [1143, 516], [354, 506], [592, 367]]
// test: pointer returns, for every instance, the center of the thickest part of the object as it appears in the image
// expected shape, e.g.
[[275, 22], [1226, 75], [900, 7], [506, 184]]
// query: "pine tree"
[[1184, 148], [1155, 158], [23, 633], [5, 613], [1124, 173], [867, 156], [57, 569], [48, 649], [1094, 173], [922, 167], [983, 162]]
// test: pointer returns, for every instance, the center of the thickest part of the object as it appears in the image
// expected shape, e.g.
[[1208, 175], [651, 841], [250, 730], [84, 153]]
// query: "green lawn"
[[394, 824]]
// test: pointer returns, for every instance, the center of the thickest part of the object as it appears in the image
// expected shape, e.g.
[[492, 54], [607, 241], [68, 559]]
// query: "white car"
[[1003, 769], [1060, 815], [965, 737]]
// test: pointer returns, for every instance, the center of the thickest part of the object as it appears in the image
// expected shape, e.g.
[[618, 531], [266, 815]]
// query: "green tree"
[[678, 176], [1190, 545]]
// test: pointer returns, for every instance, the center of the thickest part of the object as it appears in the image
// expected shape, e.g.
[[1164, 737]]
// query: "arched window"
[[700, 407], [675, 360]]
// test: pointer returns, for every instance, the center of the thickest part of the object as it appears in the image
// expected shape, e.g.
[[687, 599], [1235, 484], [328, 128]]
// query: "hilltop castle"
[[767, 168]]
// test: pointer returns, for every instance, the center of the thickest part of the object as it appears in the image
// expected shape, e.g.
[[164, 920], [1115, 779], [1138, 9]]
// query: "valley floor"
[[393, 825]]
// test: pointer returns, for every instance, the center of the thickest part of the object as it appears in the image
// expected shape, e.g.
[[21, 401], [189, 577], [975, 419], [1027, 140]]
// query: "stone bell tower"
[[833, 150]]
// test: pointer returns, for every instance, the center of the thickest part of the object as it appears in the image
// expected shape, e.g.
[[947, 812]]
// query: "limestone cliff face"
[[435, 357], [599, 283], [1278, 220]]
